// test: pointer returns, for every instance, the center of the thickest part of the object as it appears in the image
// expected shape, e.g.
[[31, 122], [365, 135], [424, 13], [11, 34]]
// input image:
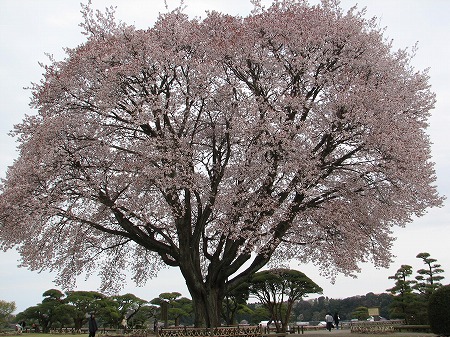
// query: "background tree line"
[[57, 313], [54, 313], [279, 293], [71, 309]]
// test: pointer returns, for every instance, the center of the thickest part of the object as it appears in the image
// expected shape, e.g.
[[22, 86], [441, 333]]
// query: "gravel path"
[[347, 333]]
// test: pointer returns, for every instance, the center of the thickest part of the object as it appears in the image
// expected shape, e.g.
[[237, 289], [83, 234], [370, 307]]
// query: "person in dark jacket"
[[92, 326], [336, 320]]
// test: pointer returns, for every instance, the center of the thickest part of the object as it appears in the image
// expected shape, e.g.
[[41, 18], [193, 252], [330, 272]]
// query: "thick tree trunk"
[[213, 306], [209, 292], [199, 320], [206, 296], [287, 314], [207, 301]]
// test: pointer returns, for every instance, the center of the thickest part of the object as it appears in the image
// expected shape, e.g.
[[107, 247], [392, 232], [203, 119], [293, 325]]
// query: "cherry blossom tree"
[[218, 145]]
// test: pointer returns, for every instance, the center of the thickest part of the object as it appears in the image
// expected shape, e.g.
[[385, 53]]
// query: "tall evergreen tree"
[[429, 278], [404, 300], [427, 281]]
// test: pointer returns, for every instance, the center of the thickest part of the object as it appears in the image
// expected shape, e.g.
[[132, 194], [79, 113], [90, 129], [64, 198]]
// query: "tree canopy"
[[218, 145], [279, 289], [6, 309], [429, 278], [405, 300], [413, 306]]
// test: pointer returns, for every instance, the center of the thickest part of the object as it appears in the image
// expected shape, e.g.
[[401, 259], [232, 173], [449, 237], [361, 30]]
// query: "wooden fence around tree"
[[239, 331]]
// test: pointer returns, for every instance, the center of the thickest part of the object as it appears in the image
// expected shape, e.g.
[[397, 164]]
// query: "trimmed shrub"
[[439, 311]]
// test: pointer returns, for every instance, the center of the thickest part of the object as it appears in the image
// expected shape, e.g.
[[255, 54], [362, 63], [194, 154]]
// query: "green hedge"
[[439, 311]]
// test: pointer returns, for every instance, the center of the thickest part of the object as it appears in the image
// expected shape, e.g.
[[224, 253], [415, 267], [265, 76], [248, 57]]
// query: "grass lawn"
[[32, 334]]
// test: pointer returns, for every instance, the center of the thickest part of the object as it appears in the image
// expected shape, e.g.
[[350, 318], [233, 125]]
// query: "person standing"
[[92, 326], [336, 320], [329, 321], [19, 329], [124, 324]]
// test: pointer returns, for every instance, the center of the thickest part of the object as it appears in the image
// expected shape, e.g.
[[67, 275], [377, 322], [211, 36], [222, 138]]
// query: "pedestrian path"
[[347, 333]]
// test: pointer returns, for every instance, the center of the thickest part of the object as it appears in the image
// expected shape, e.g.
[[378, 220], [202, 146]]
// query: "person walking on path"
[[336, 320], [329, 320], [124, 325], [92, 326]]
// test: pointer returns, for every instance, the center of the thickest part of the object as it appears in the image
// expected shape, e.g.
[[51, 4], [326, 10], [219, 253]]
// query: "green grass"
[[32, 334]]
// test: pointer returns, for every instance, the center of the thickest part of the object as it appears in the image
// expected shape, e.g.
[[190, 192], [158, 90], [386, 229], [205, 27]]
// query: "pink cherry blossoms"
[[219, 145]]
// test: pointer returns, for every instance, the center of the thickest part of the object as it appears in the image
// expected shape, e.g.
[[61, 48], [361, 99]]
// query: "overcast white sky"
[[30, 28]]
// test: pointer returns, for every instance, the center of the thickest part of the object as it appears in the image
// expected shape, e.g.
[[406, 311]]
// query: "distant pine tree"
[[429, 278]]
